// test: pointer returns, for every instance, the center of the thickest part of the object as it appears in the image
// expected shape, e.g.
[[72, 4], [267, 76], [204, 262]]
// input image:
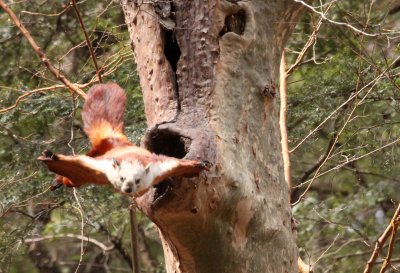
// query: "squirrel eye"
[[137, 181]]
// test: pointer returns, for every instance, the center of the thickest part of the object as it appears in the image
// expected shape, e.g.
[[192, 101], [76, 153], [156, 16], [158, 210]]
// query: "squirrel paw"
[[205, 165], [49, 154]]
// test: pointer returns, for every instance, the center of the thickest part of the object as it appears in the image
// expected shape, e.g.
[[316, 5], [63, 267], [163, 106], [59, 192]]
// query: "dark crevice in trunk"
[[161, 192], [171, 49], [172, 53], [234, 23]]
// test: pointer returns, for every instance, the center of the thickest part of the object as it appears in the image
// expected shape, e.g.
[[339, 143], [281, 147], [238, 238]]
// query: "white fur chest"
[[132, 177]]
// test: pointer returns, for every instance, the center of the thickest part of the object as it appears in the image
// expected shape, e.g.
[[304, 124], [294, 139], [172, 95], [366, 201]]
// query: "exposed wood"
[[283, 120]]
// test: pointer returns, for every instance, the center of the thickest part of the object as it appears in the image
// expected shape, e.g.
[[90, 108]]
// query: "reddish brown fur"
[[103, 115], [106, 145], [104, 102], [103, 119]]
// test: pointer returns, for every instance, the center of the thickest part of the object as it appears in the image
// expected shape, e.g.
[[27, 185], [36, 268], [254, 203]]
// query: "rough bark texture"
[[209, 72]]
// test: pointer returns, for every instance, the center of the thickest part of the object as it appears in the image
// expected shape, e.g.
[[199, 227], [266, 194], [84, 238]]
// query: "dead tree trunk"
[[208, 70]]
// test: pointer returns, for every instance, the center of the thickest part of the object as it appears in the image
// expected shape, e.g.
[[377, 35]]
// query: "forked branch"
[[391, 229]]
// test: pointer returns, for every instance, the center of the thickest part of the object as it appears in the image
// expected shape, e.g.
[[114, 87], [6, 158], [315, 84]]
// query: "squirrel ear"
[[147, 169], [116, 163]]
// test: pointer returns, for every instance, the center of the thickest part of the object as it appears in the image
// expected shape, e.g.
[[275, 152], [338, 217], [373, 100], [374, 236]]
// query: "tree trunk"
[[208, 71]]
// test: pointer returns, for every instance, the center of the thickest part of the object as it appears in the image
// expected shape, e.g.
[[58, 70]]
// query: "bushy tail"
[[103, 113]]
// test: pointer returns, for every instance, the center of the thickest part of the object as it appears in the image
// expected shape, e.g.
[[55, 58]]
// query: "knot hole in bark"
[[167, 142], [235, 22]]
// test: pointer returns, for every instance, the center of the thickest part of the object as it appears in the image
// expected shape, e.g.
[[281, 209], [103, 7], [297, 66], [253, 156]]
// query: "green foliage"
[[345, 209], [353, 201], [50, 119]]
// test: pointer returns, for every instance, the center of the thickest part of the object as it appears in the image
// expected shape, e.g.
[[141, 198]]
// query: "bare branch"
[[390, 229], [348, 120], [75, 236], [65, 9], [351, 160], [313, 9], [309, 43], [394, 224], [43, 57], [134, 239], [80, 209], [352, 96], [89, 44]]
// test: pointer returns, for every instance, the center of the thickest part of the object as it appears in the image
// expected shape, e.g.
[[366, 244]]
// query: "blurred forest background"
[[345, 91]]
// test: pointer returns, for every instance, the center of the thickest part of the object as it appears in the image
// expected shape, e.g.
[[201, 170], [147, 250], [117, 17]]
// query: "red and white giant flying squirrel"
[[113, 159]]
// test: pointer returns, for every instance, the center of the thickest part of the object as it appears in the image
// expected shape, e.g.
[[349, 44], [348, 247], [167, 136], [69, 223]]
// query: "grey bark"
[[209, 73]]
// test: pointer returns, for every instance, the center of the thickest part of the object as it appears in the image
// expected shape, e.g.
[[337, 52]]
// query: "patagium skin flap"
[[113, 159]]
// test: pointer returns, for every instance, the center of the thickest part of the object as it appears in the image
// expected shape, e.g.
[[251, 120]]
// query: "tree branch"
[[43, 57], [309, 43], [89, 44], [322, 14], [390, 229], [75, 236], [134, 239]]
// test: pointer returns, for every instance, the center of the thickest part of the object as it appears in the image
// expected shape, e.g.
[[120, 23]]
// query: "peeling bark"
[[209, 71]]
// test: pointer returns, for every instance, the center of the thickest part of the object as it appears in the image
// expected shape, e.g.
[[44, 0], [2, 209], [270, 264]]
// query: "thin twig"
[[382, 239], [348, 120], [18, 204], [27, 94], [352, 96], [340, 23], [326, 250], [65, 9], [80, 209], [89, 44], [75, 236], [387, 262], [352, 160], [38, 90], [43, 57], [309, 43]]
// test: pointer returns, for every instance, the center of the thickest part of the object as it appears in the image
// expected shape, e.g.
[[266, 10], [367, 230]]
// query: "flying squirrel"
[[113, 159]]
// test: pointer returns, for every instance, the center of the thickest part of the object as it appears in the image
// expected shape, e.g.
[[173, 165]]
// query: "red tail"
[[113, 159], [103, 117]]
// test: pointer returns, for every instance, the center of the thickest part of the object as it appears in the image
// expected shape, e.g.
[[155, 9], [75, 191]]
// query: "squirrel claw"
[[206, 165], [55, 185], [49, 154]]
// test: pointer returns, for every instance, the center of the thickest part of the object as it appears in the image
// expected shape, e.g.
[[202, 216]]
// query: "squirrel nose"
[[127, 189]]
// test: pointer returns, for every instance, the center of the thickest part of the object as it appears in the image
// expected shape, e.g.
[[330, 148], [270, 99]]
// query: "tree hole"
[[171, 49], [234, 23], [168, 143]]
